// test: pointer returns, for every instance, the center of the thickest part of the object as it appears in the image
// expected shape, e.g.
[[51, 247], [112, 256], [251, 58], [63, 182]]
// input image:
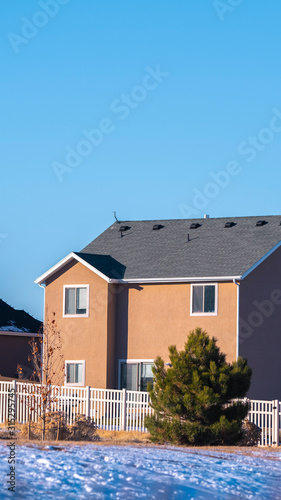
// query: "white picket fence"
[[109, 409], [267, 416], [119, 410]]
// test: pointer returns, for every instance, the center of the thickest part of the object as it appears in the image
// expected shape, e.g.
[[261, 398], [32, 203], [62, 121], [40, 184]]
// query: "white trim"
[[62, 263], [20, 334], [261, 260], [130, 361], [216, 300], [64, 315], [75, 361], [177, 280]]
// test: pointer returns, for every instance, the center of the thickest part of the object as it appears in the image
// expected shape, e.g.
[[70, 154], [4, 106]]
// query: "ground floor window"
[[135, 375], [75, 373]]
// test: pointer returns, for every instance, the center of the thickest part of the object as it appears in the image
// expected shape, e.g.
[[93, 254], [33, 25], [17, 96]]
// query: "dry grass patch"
[[122, 437], [56, 429], [5, 434]]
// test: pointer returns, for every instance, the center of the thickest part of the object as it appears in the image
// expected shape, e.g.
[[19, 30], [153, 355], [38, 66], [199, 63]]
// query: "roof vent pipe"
[[206, 216]]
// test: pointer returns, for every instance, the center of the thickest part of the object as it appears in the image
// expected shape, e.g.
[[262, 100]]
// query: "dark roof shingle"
[[212, 249]]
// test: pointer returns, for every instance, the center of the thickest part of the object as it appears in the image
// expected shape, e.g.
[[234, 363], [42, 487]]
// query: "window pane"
[[70, 373], [209, 299], [132, 370], [197, 299], [81, 301], [129, 376], [70, 301], [79, 374], [146, 375]]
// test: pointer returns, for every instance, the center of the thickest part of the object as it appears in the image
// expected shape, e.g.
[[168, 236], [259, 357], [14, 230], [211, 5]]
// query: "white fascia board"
[[20, 334], [62, 263], [177, 280], [266, 255], [52, 270]]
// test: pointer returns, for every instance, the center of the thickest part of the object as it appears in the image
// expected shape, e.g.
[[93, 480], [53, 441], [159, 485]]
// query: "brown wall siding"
[[83, 338], [260, 330], [13, 351]]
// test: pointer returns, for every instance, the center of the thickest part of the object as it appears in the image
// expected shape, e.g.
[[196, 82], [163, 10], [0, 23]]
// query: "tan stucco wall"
[[159, 315], [260, 327], [111, 362], [83, 338], [149, 318]]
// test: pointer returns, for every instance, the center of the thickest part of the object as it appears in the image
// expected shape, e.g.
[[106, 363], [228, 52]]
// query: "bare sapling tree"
[[48, 368]]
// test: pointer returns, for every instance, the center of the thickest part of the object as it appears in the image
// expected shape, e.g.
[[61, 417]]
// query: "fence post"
[[123, 410], [88, 401], [15, 397], [275, 422]]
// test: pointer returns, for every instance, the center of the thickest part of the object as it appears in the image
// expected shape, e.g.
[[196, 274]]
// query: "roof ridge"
[[196, 218]]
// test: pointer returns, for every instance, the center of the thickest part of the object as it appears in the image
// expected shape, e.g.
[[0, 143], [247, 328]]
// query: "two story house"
[[143, 285]]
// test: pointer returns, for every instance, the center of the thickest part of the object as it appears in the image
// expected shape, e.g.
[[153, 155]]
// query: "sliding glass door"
[[135, 376]]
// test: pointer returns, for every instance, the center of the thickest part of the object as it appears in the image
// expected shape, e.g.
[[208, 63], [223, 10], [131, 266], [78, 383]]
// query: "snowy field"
[[129, 472]]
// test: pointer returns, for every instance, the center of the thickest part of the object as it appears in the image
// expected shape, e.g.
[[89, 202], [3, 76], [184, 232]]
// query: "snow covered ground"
[[127, 472]]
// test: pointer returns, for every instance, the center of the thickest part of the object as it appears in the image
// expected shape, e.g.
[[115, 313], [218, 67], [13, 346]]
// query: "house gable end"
[[70, 258]]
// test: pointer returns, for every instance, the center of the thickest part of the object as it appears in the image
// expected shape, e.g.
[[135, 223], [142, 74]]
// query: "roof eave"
[[71, 256], [10, 333], [191, 279]]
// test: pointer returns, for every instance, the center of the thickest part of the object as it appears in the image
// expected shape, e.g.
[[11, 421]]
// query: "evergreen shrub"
[[193, 397]]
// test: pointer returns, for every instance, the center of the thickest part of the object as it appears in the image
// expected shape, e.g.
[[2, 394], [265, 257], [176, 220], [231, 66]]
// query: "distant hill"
[[17, 321]]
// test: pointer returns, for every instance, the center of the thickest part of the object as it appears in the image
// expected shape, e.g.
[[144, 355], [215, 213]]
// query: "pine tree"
[[193, 398]]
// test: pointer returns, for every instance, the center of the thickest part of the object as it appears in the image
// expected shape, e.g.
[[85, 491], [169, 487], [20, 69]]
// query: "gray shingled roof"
[[212, 251]]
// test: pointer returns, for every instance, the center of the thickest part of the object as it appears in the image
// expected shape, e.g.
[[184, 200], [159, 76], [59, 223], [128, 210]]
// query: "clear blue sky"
[[83, 65]]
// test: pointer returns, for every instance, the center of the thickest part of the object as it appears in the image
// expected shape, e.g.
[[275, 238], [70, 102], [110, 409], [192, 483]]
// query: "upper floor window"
[[204, 300], [76, 300]]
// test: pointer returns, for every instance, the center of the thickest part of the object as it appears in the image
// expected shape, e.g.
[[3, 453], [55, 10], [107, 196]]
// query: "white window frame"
[[130, 361], [86, 315], [75, 361], [215, 313]]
